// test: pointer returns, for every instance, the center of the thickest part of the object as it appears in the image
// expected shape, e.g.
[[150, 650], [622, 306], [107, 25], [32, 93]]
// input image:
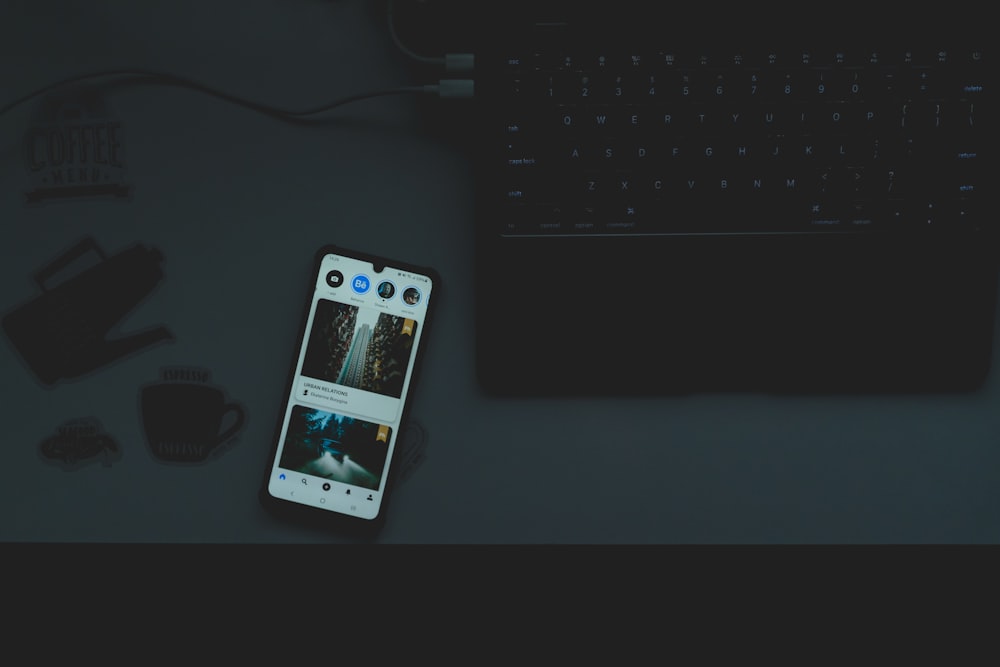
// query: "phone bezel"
[[301, 513]]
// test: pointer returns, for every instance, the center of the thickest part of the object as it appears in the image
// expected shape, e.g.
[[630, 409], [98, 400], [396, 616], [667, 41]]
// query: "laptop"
[[689, 200]]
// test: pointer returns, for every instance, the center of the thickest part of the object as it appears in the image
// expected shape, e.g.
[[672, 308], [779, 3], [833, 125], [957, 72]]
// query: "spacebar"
[[718, 216], [643, 218]]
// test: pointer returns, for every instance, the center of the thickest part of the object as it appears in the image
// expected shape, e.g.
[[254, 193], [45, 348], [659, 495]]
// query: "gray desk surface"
[[237, 202]]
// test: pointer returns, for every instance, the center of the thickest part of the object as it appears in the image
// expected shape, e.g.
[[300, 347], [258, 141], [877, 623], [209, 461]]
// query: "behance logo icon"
[[361, 284]]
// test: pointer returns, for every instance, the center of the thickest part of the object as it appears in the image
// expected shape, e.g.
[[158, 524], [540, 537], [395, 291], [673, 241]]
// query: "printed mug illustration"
[[78, 443], [187, 420], [74, 150], [62, 333]]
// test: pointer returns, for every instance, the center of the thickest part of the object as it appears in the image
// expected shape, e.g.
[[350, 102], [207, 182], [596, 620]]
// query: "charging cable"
[[452, 62], [446, 88]]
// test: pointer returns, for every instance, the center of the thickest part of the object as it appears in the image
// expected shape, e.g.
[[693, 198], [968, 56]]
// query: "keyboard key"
[[628, 138]]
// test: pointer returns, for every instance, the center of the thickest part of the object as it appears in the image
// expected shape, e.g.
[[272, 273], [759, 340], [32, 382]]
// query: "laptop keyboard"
[[646, 139]]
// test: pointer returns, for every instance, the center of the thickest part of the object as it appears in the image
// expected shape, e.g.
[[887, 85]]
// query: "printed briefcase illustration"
[[65, 332]]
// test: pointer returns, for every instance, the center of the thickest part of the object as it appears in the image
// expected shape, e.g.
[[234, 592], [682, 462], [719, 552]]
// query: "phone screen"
[[350, 384]]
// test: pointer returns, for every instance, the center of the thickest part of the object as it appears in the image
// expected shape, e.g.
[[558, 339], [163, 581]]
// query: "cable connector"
[[456, 88], [451, 88], [459, 62]]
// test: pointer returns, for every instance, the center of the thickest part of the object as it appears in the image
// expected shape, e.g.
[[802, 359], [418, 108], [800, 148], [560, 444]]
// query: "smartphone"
[[355, 365]]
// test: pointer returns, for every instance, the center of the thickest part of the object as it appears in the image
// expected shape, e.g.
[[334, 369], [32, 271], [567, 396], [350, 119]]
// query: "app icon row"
[[361, 284]]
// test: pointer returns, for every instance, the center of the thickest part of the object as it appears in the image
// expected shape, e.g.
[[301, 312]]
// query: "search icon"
[[304, 482]]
